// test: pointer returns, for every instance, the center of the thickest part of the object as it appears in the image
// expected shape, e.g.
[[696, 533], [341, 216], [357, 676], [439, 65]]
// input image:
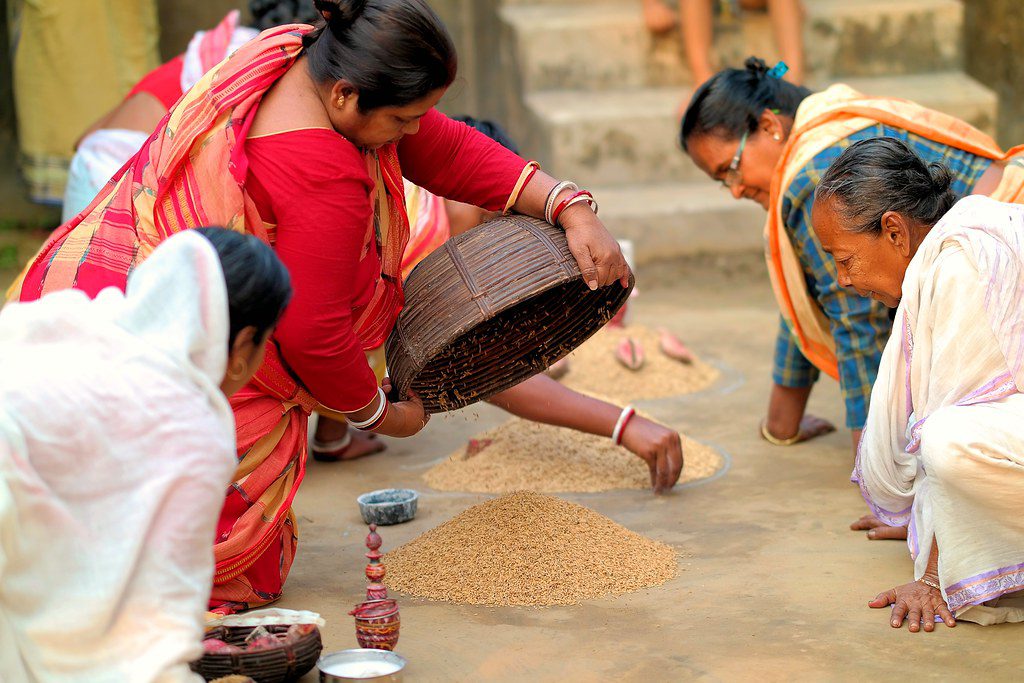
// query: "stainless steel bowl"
[[361, 664]]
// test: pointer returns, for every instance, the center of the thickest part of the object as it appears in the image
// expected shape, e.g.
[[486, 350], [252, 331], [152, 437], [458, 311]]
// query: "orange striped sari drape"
[[191, 173]]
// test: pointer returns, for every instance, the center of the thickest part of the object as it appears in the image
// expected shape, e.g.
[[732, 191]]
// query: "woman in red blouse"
[[302, 137]]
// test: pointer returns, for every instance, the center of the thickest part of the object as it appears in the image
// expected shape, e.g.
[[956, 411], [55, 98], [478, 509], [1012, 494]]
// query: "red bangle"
[[529, 177], [620, 425], [572, 199]]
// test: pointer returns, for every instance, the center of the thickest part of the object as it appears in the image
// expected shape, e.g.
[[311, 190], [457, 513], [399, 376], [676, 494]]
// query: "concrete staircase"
[[588, 92]]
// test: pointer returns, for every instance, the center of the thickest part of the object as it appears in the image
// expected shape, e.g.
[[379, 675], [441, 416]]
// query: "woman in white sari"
[[943, 449], [116, 446]]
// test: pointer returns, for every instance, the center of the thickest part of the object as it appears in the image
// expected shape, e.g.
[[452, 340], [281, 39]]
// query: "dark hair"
[[731, 102], [394, 52], [268, 13], [883, 174], [257, 283], [491, 130]]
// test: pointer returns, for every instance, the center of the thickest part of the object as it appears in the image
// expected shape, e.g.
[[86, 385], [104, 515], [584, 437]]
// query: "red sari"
[[194, 171]]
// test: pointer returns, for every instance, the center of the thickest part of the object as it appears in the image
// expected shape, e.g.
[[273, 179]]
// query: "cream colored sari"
[[943, 448]]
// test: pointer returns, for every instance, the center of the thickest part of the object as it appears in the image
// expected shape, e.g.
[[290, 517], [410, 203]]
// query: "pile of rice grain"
[[528, 549], [538, 457], [593, 368]]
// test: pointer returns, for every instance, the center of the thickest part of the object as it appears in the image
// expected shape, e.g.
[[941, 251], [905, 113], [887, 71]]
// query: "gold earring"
[[341, 102], [776, 137]]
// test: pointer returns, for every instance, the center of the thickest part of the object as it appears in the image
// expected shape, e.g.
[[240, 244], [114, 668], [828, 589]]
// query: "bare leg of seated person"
[[787, 17], [658, 17]]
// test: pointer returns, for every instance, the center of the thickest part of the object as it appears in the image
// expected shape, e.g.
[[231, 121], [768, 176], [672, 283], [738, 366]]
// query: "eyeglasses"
[[732, 175]]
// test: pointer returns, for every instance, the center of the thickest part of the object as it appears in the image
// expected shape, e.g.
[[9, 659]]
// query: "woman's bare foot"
[[335, 442], [658, 18], [879, 530]]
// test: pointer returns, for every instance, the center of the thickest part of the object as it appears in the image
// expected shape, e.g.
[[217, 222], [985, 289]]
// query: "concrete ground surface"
[[772, 585]]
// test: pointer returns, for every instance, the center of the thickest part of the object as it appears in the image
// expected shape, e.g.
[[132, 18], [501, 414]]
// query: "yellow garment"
[[73, 61], [822, 120]]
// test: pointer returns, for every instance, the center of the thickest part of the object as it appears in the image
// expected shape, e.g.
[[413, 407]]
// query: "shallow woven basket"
[[286, 663], [490, 308]]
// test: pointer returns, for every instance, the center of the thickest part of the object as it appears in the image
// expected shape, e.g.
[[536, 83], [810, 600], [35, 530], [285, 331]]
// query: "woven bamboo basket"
[[286, 663], [490, 308]]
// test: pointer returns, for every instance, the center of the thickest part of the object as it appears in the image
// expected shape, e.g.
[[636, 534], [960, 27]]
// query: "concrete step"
[[627, 135], [631, 135], [605, 46], [669, 220]]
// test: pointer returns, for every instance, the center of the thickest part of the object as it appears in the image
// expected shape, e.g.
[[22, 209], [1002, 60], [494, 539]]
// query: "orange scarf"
[[823, 120], [191, 173]]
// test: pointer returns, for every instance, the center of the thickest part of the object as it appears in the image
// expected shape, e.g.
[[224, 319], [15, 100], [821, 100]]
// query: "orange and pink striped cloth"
[[191, 173]]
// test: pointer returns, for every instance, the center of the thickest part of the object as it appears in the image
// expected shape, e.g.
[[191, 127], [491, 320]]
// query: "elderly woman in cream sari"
[[943, 449]]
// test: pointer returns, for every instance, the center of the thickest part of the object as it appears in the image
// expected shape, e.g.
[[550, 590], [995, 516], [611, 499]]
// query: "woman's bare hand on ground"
[[916, 602], [660, 447], [596, 251], [879, 530]]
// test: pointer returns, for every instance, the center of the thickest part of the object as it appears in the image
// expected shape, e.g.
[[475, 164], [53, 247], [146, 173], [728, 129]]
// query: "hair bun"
[[756, 66], [941, 176], [340, 14]]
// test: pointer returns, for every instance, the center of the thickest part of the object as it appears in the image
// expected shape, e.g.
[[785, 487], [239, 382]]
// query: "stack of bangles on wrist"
[[378, 415], [553, 210], [620, 426]]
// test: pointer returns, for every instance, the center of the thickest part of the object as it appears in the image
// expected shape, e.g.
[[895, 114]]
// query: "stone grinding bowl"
[[385, 507]]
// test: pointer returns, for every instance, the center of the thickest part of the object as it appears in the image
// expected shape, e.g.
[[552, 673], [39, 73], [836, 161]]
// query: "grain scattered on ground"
[[526, 455], [528, 549], [594, 369]]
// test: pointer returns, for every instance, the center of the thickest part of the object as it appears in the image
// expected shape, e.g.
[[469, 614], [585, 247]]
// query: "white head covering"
[[177, 302], [116, 447]]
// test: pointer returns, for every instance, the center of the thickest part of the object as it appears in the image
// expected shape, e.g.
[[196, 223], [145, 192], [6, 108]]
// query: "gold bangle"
[[930, 582], [774, 440], [524, 177]]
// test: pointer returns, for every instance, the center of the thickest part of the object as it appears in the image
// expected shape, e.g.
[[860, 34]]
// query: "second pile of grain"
[[528, 549], [538, 457], [593, 368]]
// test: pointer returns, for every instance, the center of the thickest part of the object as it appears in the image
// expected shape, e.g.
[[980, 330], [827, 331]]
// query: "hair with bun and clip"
[[878, 175], [731, 102], [257, 282], [392, 52]]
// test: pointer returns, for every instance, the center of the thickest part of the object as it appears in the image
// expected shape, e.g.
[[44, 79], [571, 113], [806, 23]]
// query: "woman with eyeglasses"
[[770, 141]]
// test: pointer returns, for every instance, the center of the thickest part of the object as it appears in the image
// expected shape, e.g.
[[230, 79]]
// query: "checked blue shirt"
[[860, 326]]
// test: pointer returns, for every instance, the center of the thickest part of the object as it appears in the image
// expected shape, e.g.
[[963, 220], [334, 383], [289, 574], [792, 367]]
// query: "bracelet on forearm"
[[525, 177], [931, 582], [620, 425], [378, 415], [549, 204], [577, 198]]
